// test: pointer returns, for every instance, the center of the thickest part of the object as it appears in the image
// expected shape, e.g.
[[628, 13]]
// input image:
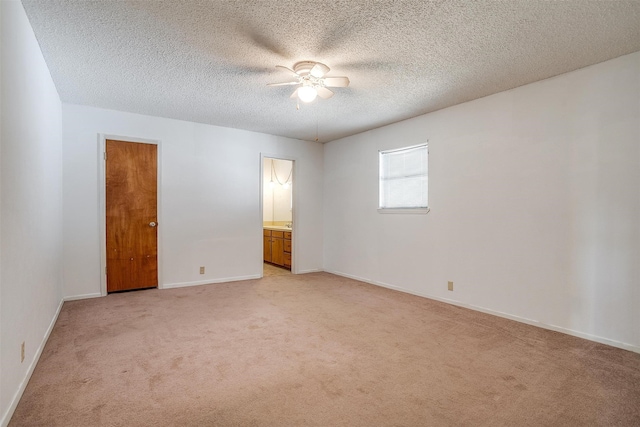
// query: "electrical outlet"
[[22, 352], [450, 286], [201, 270]]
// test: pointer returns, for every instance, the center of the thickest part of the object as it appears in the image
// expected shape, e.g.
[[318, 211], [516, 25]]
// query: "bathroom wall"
[[277, 205]]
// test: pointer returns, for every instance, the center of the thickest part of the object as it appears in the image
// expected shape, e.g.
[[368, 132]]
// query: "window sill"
[[404, 210]]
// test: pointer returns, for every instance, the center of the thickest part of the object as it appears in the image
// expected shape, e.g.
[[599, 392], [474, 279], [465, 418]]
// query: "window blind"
[[403, 178]]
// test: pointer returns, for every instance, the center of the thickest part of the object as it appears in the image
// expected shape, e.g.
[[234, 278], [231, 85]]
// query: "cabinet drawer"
[[287, 246], [266, 232], [278, 234], [287, 259], [287, 235]]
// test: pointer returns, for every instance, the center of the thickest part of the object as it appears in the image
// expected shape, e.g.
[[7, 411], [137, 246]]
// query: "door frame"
[[294, 210], [102, 203]]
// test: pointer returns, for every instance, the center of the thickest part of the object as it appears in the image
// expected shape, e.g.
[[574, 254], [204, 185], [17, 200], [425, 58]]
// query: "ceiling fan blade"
[[283, 84], [336, 81], [324, 93], [294, 94], [288, 69], [319, 70]]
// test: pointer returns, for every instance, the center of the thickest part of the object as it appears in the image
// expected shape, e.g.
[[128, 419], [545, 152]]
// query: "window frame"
[[401, 210]]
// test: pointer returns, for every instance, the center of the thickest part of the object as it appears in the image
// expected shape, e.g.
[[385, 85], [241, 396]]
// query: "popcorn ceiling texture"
[[210, 61]]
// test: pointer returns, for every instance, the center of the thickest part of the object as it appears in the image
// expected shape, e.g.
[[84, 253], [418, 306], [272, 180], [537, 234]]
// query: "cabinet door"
[[277, 251], [267, 249]]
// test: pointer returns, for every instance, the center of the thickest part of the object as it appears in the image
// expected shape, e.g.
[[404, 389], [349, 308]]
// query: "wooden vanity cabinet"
[[287, 249], [267, 245], [277, 247]]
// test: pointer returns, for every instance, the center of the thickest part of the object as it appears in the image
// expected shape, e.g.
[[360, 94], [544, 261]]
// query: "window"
[[403, 180]]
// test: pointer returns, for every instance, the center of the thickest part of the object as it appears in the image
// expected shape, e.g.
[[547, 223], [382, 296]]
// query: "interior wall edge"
[[532, 322]]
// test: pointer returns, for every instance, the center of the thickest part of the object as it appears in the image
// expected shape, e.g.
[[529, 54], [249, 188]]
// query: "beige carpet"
[[316, 350], [272, 270]]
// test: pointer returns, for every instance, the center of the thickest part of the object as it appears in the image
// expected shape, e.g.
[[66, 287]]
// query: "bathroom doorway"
[[278, 227]]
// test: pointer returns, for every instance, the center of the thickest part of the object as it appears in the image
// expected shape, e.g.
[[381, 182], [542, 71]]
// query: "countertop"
[[277, 228]]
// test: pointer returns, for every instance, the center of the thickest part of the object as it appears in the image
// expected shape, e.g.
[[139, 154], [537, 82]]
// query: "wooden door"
[[131, 209]]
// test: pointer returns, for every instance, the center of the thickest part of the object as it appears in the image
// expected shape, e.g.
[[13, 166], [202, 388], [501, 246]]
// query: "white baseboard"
[[308, 271], [209, 281], [590, 337], [83, 296], [36, 357], [174, 285]]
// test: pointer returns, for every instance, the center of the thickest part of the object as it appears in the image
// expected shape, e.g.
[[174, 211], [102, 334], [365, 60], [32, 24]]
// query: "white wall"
[[30, 204], [277, 200], [535, 205], [210, 197]]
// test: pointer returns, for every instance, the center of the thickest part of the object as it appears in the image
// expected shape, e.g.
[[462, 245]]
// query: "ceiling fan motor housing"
[[303, 67]]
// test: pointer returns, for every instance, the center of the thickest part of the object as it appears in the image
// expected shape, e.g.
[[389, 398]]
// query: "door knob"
[[152, 224]]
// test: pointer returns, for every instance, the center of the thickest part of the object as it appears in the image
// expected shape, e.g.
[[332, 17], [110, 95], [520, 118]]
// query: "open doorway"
[[277, 216]]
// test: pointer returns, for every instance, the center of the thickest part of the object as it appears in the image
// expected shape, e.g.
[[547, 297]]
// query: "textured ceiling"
[[210, 61]]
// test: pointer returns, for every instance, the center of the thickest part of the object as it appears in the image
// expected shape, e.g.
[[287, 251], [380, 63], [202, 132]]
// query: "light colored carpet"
[[316, 350]]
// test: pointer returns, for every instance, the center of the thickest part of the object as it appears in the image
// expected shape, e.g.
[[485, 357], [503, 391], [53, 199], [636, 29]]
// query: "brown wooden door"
[[131, 208]]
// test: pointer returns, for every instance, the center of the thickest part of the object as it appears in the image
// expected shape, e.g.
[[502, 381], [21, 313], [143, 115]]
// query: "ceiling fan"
[[311, 76]]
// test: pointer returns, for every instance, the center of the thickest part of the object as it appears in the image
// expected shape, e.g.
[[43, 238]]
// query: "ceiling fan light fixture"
[[307, 93], [312, 80]]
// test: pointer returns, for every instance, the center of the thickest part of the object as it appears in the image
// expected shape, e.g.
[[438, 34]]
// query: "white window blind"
[[403, 178]]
